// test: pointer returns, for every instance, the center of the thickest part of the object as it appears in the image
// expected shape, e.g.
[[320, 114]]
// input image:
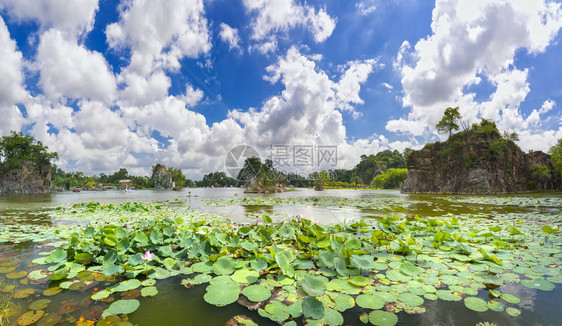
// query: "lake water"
[[177, 305]]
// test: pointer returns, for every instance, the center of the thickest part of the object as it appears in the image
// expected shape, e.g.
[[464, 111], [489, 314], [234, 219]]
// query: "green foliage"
[[540, 174], [449, 122], [497, 149], [177, 177], [17, 147], [216, 179], [391, 179], [556, 157]]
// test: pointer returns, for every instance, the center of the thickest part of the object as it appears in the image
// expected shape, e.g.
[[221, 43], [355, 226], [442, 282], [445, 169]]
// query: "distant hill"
[[477, 161]]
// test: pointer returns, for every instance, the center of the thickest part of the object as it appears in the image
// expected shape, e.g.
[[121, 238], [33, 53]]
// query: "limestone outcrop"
[[28, 177], [161, 177]]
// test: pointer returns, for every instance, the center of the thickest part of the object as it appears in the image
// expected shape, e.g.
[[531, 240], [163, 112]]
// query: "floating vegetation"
[[289, 271]]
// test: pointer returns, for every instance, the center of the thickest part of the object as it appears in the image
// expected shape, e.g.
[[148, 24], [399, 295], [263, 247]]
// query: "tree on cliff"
[[556, 157], [450, 121], [17, 147], [177, 176]]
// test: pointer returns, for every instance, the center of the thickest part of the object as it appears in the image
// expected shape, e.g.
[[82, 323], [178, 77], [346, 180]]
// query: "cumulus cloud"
[[366, 7], [230, 36], [72, 17], [70, 70], [472, 40], [279, 16], [12, 90]]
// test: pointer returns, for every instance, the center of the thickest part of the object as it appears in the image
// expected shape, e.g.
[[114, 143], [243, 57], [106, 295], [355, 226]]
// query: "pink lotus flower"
[[148, 256]]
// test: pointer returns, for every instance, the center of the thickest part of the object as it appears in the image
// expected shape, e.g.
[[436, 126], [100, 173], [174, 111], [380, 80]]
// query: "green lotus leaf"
[[410, 299], [256, 293], [148, 282], [360, 280], [448, 295], [430, 296], [101, 295], [513, 311], [344, 302], [111, 269], [225, 265], [50, 319], [284, 260], [363, 262], [122, 307], [476, 304], [331, 317], [510, 298], [242, 320], [23, 293], [39, 304], [370, 301], [159, 274], [409, 269], [495, 306], [30, 317], [149, 291], [312, 308], [295, 309], [540, 284], [125, 286], [198, 279], [56, 256], [222, 294], [382, 318], [6, 269], [275, 311], [52, 291], [287, 232], [245, 276], [16, 275], [314, 285]]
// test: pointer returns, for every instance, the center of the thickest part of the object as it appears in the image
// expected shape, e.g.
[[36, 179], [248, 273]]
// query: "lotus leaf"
[[448, 295], [256, 293], [495, 305], [16, 275], [475, 304], [49, 319], [410, 299], [245, 276], [67, 307], [241, 320], [222, 294], [30, 317], [344, 302], [284, 260], [56, 256], [314, 285], [39, 304], [430, 296], [93, 313], [101, 295], [370, 301], [122, 307], [224, 266], [6, 269], [149, 291], [125, 286], [513, 311], [312, 308], [510, 298], [360, 280], [23, 293], [363, 262], [382, 318], [540, 284]]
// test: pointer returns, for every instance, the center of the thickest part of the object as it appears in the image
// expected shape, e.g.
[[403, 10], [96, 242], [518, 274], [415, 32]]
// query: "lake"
[[22, 217]]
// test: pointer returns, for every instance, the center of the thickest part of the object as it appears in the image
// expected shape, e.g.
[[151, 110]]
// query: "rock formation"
[[476, 161], [29, 177], [161, 177]]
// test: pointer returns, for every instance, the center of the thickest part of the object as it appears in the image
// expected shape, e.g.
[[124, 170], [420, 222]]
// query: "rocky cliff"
[[161, 177], [476, 161], [28, 177]]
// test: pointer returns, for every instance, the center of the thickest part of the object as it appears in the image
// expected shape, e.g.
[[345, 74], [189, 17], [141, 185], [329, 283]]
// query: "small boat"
[[76, 189]]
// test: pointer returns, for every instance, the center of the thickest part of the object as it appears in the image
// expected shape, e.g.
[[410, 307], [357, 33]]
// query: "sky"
[[128, 84]]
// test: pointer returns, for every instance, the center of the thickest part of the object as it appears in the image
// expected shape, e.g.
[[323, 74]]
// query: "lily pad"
[[245, 276], [39, 304], [370, 301], [125, 286], [475, 304], [16, 275], [30, 317], [540, 284], [344, 302], [314, 285], [23, 293], [224, 266], [93, 313], [67, 307], [122, 307], [411, 299], [382, 318], [256, 293], [448, 295], [496, 306], [49, 319], [510, 298], [312, 308], [222, 294], [149, 291], [514, 312]]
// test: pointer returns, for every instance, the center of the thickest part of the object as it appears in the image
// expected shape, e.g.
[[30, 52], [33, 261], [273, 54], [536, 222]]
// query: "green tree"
[[556, 157], [17, 147], [450, 121], [541, 174], [513, 136], [177, 177]]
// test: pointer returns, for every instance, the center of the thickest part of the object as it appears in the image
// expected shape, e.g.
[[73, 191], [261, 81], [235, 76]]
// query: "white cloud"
[[70, 70], [12, 90], [274, 17], [366, 7], [72, 17], [388, 86], [472, 40], [230, 36]]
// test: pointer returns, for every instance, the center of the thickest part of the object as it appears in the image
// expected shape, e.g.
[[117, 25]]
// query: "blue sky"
[[110, 84]]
